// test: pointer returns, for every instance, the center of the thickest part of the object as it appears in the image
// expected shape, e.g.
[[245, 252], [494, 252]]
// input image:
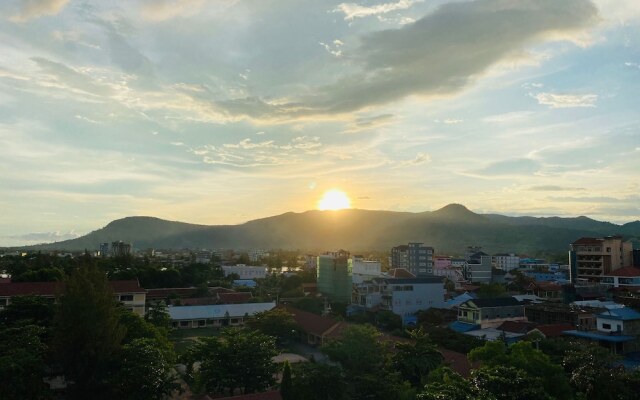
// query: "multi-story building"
[[506, 262], [334, 275], [120, 248], [580, 317], [104, 249], [402, 296], [490, 313], [414, 257], [590, 259], [129, 293], [245, 271], [203, 257], [440, 262], [364, 270], [617, 329], [626, 277], [478, 268]]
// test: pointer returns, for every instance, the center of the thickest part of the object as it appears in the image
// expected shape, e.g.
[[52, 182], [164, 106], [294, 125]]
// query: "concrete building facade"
[[335, 275], [590, 259]]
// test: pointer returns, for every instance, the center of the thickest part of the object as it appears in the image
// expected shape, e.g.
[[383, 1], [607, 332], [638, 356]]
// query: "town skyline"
[[225, 113]]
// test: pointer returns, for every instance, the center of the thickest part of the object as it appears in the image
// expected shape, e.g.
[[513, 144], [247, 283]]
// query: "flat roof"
[[217, 311]]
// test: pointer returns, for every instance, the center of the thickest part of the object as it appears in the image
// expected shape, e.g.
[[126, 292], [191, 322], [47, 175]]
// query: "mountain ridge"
[[448, 229]]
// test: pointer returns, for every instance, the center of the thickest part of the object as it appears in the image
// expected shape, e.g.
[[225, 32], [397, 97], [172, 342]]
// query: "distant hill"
[[449, 229]]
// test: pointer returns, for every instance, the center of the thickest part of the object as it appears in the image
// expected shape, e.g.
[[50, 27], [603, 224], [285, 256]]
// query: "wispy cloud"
[[558, 100], [352, 11], [30, 9]]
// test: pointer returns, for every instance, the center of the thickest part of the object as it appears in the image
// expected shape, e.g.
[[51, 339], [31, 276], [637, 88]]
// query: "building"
[[104, 249], [402, 296], [203, 257], [626, 277], [315, 329], [548, 291], [478, 268], [129, 293], [216, 316], [506, 262], [334, 275], [364, 270], [617, 329], [592, 258], [579, 317], [440, 262], [414, 257], [490, 313], [256, 255], [245, 271], [120, 248]]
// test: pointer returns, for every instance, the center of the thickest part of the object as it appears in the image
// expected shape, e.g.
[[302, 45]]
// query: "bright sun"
[[334, 200]]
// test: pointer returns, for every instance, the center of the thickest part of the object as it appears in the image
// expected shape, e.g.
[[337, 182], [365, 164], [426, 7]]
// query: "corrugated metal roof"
[[217, 311]]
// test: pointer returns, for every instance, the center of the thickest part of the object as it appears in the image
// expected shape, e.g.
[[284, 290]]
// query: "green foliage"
[[508, 383], [451, 340], [310, 304], [237, 359], [137, 327], [30, 309], [388, 320], [277, 322], [415, 359], [533, 362], [87, 332], [158, 315], [285, 384], [143, 373], [446, 384], [315, 381], [366, 361], [491, 290], [22, 363]]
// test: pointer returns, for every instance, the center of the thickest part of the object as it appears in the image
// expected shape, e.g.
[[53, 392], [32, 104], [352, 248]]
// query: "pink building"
[[441, 262]]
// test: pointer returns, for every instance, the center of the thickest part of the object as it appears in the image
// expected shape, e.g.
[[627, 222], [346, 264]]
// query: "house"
[[316, 329], [627, 277], [215, 316], [552, 330], [519, 327], [404, 296], [578, 316], [129, 293], [618, 329], [548, 291], [490, 313]]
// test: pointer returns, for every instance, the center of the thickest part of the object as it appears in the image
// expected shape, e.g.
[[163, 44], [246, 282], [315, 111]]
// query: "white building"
[[203, 257], [364, 270], [215, 315], [256, 255], [506, 262], [403, 297], [245, 271]]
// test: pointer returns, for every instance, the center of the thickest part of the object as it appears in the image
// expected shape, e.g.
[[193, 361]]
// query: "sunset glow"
[[334, 200]]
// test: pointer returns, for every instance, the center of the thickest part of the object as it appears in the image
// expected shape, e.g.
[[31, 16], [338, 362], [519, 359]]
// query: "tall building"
[[363, 270], [334, 275], [120, 248], [506, 262], [104, 249], [414, 257], [592, 258]]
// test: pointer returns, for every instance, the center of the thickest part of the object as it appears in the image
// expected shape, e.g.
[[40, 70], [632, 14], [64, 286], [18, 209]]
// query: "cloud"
[[352, 11], [420, 158], [334, 48], [440, 54], [554, 188], [43, 237], [449, 121], [514, 116], [555, 100], [38, 8], [516, 166], [366, 123]]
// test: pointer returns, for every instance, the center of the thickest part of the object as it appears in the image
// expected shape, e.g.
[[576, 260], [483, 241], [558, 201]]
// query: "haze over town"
[[226, 112]]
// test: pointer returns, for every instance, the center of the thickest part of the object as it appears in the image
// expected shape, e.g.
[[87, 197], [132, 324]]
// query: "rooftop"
[[53, 288], [495, 302], [622, 314], [599, 336], [626, 272], [217, 311]]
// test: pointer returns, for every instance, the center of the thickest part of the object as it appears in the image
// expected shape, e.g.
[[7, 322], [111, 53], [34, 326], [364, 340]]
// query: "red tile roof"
[[273, 395], [625, 271], [516, 326], [587, 240], [547, 286], [554, 330], [234, 298], [54, 288], [400, 273], [163, 293], [312, 323], [457, 362]]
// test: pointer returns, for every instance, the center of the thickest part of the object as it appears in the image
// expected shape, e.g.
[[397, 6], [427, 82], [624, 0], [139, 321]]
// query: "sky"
[[219, 112]]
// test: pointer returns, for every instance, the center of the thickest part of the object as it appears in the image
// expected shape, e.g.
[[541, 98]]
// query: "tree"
[[417, 358], [22, 363], [592, 374], [30, 309], [237, 359], [87, 332], [138, 328], [491, 290], [508, 383], [446, 384], [277, 322], [144, 373], [523, 356], [366, 360], [157, 315], [315, 381], [285, 384]]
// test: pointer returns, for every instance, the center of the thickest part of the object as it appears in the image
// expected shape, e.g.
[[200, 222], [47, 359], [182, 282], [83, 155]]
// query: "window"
[[201, 322], [606, 326], [184, 323], [126, 297]]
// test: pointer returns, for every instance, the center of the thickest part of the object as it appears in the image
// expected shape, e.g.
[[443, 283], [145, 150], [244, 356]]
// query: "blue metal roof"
[[217, 311], [463, 326], [599, 336], [623, 314]]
